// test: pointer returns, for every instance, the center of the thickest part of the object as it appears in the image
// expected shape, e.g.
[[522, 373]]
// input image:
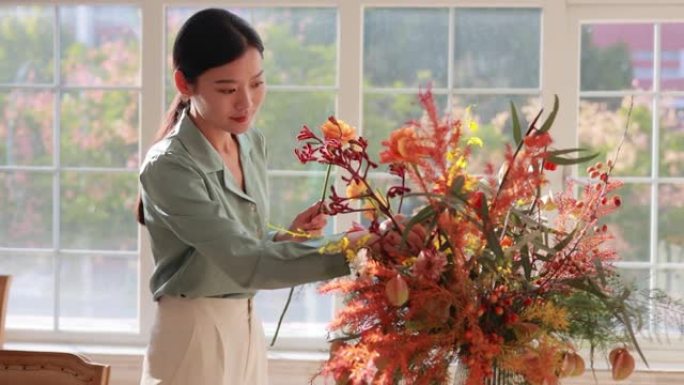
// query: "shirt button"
[[252, 207], [259, 233]]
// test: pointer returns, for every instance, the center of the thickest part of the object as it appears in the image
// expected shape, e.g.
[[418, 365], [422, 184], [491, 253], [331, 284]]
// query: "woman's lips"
[[239, 119]]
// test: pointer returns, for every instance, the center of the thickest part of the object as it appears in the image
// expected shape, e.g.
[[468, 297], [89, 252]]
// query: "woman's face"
[[228, 97]]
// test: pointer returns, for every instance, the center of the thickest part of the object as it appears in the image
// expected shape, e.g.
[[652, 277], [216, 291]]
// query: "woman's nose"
[[243, 100]]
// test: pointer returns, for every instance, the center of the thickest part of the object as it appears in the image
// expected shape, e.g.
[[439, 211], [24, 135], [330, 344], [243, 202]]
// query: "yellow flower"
[[549, 314]]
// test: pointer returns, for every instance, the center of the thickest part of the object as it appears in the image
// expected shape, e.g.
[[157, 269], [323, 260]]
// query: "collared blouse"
[[209, 238]]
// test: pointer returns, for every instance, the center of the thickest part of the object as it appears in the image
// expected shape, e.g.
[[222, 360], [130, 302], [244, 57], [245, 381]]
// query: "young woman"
[[204, 202]]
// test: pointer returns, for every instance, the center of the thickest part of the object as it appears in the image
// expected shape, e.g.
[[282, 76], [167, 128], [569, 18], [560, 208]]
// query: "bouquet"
[[509, 278]]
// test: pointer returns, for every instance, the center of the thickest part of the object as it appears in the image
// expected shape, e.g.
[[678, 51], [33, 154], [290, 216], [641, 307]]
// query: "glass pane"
[[672, 282], [493, 118], [26, 44], [31, 298], [616, 57], [670, 223], [87, 301], [672, 136], [629, 224], [384, 113], [101, 45], [26, 214], [497, 48], [307, 306], [97, 211], [301, 44], [100, 128], [281, 118], [672, 57], [175, 17], [405, 47], [602, 123], [26, 127], [639, 278]]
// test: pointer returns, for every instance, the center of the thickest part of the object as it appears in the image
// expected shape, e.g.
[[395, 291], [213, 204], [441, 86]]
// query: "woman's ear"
[[182, 85]]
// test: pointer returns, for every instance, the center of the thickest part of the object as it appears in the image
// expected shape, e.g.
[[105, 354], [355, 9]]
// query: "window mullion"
[[56, 155]]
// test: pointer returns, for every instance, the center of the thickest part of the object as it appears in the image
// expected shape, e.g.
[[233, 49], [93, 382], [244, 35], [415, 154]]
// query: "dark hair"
[[210, 38]]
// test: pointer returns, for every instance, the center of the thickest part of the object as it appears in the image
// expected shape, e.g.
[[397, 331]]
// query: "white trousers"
[[205, 341]]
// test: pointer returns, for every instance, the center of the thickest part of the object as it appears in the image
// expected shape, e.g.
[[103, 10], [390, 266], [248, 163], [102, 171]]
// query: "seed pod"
[[621, 362], [397, 291]]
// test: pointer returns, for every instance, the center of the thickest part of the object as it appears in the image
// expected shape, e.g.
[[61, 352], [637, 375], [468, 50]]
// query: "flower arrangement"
[[508, 278]]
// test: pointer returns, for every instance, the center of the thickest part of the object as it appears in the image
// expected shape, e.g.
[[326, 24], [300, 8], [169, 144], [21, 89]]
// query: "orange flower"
[[338, 130], [355, 189], [404, 145]]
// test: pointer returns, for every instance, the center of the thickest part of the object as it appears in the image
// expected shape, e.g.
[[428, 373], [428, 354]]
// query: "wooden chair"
[[5, 281], [50, 368]]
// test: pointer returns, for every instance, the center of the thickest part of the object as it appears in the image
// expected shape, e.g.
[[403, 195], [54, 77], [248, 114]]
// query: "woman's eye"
[[228, 91], [257, 84]]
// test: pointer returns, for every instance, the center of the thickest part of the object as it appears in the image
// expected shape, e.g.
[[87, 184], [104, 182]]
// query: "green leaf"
[[552, 116], [570, 161], [457, 186], [517, 133]]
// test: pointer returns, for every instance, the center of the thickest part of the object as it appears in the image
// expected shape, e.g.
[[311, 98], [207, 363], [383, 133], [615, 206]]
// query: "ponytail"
[[172, 116]]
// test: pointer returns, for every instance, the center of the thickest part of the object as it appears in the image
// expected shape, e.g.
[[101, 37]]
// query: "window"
[[69, 137], [636, 63], [82, 93], [475, 58]]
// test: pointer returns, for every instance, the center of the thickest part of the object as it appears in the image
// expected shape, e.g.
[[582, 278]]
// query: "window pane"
[[602, 124], [281, 118], [26, 214], [100, 45], [26, 127], [492, 115], [670, 223], [97, 211], [672, 136], [31, 295], [629, 224], [99, 293], [637, 277], [616, 57], [405, 47], [26, 44], [672, 282], [384, 113], [100, 128], [307, 306], [672, 57], [301, 44], [497, 48]]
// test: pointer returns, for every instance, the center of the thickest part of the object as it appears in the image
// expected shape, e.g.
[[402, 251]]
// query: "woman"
[[204, 202]]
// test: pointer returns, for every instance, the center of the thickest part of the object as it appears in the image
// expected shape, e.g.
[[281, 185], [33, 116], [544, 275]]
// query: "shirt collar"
[[199, 147]]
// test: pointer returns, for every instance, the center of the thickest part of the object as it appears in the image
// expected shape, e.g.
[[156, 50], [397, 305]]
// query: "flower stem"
[[289, 295]]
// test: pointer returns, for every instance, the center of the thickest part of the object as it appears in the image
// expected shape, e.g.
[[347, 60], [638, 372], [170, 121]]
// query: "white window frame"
[[559, 75]]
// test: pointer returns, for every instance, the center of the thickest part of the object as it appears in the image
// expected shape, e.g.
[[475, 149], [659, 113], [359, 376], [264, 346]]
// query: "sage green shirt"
[[209, 237]]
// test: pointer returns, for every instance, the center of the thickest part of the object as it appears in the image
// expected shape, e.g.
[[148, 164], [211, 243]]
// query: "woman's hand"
[[308, 223], [389, 241]]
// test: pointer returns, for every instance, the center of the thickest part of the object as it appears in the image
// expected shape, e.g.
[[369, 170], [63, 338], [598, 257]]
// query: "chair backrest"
[[5, 281], [53, 368]]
